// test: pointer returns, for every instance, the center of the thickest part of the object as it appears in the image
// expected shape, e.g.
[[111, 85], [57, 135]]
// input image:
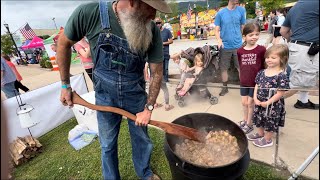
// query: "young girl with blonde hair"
[[197, 68], [271, 84]]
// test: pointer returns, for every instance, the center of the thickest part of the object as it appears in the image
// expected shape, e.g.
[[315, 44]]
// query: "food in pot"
[[219, 148]]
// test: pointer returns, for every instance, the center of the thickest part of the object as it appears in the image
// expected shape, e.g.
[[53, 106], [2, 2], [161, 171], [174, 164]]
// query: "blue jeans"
[[166, 67], [9, 90], [109, 125]]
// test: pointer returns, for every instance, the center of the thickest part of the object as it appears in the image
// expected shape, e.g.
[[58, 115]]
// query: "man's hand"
[[143, 118], [66, 97], [220, 44]]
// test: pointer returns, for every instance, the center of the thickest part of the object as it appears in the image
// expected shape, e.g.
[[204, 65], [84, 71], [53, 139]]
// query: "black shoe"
[[308, 105], [224, 91]]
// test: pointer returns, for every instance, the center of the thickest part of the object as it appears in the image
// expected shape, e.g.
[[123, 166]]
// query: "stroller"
[[198, 87]]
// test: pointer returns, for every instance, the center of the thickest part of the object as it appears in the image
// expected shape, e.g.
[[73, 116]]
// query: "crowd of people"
[[129, 46]]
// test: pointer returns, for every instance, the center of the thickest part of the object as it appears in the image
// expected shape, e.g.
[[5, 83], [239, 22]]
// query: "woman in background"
[[83, 49]]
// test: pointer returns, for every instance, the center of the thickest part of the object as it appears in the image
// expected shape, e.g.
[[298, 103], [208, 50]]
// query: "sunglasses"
[[158, 23]]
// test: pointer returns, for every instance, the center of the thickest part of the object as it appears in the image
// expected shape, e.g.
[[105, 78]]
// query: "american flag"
[[189, 12], [27, 32]]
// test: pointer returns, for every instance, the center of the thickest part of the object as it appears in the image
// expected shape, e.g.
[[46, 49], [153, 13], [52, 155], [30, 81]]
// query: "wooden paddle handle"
[[170, 128], [76, 99]]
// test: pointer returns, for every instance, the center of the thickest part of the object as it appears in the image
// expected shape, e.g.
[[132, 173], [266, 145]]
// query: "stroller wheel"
[[214, 100], [176, 96], [181, 103]]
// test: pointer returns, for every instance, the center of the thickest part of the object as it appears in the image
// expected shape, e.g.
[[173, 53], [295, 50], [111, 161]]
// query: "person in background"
[[229, 23], [54, 47], [271, 84], [273, 20], [163, 87], [251, 61], [122, 37], [83, 49], [7, 79], [277, 26], [301, 29], [167, 40], [193, 73], [179, 34], [17, 84], [266, 24]]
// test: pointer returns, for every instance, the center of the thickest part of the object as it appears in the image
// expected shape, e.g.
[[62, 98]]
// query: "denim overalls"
[[119, 82]]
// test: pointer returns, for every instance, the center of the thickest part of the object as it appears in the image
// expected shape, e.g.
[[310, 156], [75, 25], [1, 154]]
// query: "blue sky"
[[38, 14]]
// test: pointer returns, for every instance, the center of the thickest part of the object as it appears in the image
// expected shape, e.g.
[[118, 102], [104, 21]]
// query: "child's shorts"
[[246, 91]]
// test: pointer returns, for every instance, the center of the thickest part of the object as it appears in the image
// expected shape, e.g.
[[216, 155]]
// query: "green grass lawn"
[[60, 161]]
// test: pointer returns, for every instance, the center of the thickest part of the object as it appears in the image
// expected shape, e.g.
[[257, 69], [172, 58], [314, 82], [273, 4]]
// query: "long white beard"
[[137, 30]]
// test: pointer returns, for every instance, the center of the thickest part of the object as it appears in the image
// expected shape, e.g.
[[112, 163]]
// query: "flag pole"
[[19, 28], [14, 43]]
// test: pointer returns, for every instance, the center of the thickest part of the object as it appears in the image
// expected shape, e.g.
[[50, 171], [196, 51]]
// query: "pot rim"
[[206, 167]]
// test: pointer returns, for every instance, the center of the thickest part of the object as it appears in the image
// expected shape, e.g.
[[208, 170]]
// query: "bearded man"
[[123, 38]]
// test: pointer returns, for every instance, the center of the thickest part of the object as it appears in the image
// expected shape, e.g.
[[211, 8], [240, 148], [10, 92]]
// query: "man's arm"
[[242, 26], [285, 32], [155, 83], [217, 34], [64, 60], [170, 41], [143, 117]]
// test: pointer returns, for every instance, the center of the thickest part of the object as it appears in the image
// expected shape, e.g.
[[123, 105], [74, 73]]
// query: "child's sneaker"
[[242, 123], [254, 136], [247, 129], [262, 142]]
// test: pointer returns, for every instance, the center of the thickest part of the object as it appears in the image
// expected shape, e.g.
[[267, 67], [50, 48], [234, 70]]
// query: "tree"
[[175, 11], [7, 46], [269, 5], [250, 8], [223, 3], [45, 36]]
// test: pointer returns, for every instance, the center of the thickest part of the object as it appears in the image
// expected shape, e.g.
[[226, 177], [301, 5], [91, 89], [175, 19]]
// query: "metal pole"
[[277, 148], [30, 134], [53, 19], [207, 5], [14, 43], [305, 164], [195, 19]]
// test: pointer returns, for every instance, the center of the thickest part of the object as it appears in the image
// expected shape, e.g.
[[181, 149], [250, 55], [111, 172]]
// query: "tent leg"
[[305, 164]]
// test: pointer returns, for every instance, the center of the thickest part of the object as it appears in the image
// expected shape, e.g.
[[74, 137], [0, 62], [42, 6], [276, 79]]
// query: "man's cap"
[[159, 5]]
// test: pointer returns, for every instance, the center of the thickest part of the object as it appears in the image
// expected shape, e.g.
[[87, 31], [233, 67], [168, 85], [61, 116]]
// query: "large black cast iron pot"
[[180, 169]]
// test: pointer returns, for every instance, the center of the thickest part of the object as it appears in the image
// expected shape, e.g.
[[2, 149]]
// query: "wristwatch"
[[150, 107]]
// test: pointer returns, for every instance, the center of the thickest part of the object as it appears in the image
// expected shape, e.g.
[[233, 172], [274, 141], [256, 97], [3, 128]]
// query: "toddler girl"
[[269, 111], [197, 68]]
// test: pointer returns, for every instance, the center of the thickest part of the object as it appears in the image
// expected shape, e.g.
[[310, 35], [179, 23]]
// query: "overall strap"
[[104, 14]]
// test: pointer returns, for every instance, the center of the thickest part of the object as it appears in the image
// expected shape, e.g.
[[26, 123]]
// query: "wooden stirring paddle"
[[169, 128]]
